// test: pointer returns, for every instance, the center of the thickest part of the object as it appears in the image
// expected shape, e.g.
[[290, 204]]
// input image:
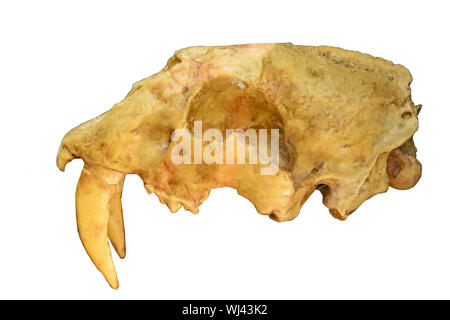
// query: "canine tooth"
[[93, 196], [116, 229]]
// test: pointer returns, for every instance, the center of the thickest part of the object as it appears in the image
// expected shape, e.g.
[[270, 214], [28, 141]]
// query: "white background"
[[62, 64]]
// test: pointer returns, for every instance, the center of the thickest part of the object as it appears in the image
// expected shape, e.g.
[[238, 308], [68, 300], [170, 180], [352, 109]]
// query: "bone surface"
[[345, 122]]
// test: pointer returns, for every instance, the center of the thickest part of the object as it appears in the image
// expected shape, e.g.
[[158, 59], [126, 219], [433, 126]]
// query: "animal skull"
[[345, 122]]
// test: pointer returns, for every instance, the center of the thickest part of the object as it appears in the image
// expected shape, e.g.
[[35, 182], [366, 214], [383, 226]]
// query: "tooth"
[[173, 205], [116, 229], [94, 191]]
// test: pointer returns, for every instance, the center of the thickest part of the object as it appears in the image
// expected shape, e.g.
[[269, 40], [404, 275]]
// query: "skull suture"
[[345, 123]]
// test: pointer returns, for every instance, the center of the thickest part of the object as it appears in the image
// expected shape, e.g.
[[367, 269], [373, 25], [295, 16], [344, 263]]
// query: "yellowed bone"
[[346, 122], [95, 190], [116, 229]]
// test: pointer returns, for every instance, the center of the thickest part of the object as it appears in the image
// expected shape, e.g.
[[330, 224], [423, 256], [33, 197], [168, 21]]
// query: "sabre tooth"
[[116, 229], [95, 188]]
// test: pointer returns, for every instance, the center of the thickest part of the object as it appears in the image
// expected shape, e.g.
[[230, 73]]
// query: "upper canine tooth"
[[93, 197], [116, 229]]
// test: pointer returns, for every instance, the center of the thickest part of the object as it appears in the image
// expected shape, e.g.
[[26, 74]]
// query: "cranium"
[[345, 122]]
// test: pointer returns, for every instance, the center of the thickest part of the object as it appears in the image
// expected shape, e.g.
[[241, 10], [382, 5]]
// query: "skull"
[[344, 119]]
